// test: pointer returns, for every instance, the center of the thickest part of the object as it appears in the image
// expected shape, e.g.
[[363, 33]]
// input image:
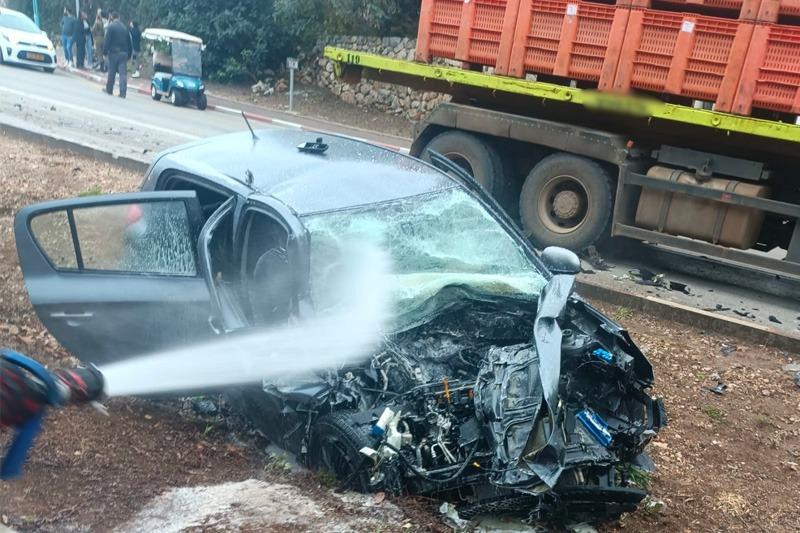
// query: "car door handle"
[[71, 315]]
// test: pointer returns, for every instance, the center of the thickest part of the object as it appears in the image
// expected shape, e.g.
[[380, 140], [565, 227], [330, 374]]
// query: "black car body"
[[494, 387]]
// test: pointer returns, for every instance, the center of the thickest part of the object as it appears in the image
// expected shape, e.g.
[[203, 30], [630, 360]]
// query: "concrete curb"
[[250, 116], [691, 316], [49, 140]]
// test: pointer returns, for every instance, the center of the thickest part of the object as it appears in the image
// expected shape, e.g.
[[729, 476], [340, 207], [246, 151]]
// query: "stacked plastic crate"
[[739, 54]]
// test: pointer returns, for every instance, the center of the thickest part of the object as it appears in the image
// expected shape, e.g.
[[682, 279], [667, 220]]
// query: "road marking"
[[101, 114]]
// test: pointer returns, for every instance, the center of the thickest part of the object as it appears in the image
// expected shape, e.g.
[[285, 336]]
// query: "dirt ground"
[[725, 463], [312, 101]]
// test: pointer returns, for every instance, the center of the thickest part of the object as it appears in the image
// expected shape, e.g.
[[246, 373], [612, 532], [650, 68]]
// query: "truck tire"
[[566, 201], [335, 446], [476, 156]]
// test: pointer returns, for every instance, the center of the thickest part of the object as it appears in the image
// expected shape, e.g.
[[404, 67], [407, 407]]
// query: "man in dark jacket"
[[117, 49], [79, 39]]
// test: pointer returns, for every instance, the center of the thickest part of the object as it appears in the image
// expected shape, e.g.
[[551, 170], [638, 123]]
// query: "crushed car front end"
[[497, 388]]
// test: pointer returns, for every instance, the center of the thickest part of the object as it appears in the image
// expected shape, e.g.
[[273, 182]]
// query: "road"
[[72, 107]]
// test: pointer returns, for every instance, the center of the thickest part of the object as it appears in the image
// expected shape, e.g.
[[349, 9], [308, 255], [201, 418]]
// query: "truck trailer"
[[579, 160]]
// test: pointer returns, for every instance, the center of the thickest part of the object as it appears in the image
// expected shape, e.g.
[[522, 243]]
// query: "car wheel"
[[475, 155], [334, 448], [49, 70], [566, 201], [154, 93], [202, 102], [176, 98]]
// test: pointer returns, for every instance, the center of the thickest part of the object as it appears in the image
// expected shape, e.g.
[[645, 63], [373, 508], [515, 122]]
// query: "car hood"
[[17, 36]]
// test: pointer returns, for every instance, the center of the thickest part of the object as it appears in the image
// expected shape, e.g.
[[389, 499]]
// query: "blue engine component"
[[603, 354], [596, 426]]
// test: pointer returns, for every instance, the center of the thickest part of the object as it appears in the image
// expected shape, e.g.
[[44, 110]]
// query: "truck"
[[578, 165]]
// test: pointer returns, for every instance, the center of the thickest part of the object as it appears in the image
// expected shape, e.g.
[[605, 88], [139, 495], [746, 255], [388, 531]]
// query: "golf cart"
[[177, 67]]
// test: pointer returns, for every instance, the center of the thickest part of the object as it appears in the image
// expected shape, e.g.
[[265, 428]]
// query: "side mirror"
[[561, 261]]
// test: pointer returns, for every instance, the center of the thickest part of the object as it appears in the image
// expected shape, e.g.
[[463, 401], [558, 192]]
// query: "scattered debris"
[[593, 257], [679, 287], [744, 313], [773, 318], [791, 367], [204, 406], [719, 388], [654, 505], [642, 276], [728, 349], [450, 514]]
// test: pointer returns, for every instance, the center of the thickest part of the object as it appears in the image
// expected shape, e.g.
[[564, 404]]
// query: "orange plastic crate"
[[771, 74], [770, 10], [742, 9], [685, 54], [576, 40], [439, 26], [475, 31]]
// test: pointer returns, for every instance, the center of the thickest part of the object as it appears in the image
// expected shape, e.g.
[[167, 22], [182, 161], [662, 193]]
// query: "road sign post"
[[291, 64]]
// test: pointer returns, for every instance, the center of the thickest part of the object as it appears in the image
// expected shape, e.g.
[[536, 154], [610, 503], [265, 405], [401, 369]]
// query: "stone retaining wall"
[[394, 99]]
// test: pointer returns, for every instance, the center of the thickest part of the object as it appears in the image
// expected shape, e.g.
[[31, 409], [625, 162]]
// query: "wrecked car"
[[495, 387]]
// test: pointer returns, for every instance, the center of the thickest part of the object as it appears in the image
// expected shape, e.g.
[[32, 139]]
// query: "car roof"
[[350, 173], [6, 11], [161, 34]]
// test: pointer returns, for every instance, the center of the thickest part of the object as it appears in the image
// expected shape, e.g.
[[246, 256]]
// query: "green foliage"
[[714, 413], [244, 38]]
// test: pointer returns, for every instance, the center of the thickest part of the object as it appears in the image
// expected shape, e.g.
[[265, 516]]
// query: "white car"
[[21, 41]]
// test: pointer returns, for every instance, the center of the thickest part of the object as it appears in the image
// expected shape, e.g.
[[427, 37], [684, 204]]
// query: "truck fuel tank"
[[715, 222]]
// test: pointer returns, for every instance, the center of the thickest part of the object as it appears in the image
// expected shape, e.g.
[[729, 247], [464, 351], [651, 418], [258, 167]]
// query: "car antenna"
[[255, 137]]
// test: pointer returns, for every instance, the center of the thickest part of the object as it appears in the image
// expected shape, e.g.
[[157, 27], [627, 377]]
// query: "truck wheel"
[[334, 447], [476, 156], [566, 201]]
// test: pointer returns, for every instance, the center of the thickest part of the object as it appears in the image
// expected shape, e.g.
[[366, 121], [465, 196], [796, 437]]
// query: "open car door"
[[118, 275]]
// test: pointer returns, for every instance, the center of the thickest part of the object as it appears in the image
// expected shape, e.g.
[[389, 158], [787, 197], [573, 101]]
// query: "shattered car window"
[[150, 238], [435, 240]]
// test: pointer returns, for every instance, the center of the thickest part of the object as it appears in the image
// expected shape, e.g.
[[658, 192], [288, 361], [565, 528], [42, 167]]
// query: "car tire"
[[176, 98], [49, 70], [202, 102], [335, 446], [154, 93], [566, 201], [475, 155]]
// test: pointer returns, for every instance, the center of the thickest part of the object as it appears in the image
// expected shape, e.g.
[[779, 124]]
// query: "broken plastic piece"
[[602, 353], [369, 452], [719, 388], [596, 426]]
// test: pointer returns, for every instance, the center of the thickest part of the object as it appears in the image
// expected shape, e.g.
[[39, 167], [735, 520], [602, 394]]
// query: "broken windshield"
[[434, 240]]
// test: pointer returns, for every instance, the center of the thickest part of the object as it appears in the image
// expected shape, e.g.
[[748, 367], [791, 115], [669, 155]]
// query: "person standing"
[[79, 38], [98, 35], [87, 31], [68, 23], [136, 43], [117, 49]]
